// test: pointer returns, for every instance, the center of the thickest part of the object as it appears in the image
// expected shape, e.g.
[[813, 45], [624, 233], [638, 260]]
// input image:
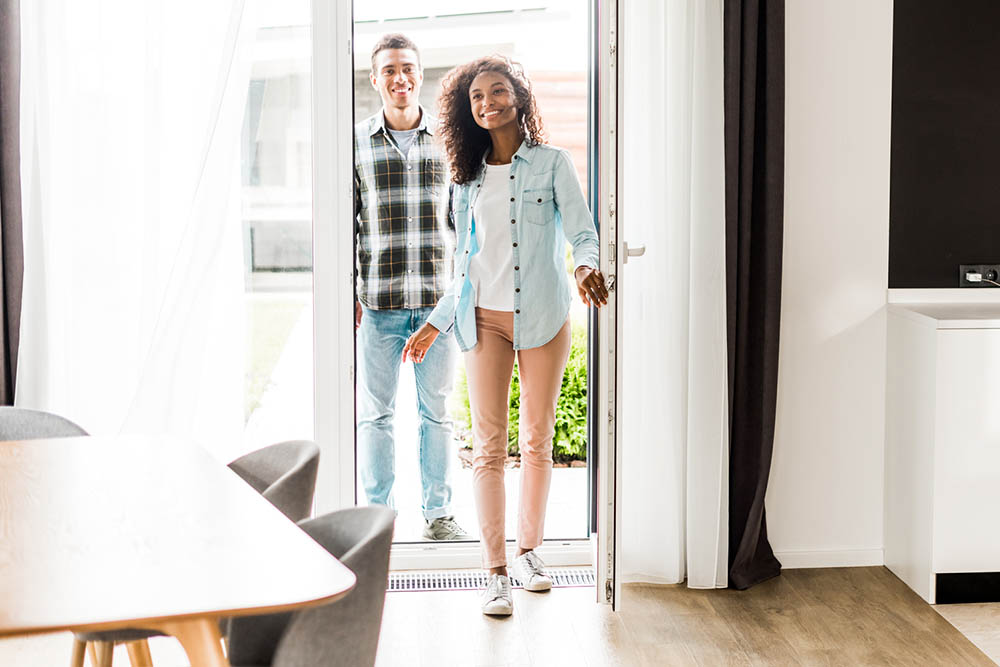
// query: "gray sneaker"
[[444, 528]]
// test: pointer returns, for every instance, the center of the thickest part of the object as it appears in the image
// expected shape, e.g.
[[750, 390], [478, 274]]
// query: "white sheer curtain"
[[674, 442], [133, 285]]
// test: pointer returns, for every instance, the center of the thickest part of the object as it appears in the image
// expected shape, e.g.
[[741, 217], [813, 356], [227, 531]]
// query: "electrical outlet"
[[987, 271]]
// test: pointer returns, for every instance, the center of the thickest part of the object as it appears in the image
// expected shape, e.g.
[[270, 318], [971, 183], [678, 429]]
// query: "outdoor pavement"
[[286, 413]]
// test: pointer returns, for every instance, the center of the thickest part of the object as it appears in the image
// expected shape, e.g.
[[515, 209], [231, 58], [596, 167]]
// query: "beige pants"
[[489, 366]]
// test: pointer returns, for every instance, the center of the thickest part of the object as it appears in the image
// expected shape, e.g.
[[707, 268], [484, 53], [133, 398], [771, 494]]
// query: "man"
[[404, 241]]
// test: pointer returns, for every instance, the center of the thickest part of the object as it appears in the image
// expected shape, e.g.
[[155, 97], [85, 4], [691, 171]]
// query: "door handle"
[[633, 252]]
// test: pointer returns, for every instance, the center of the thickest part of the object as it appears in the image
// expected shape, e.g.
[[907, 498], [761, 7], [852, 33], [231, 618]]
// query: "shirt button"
[[539, 200], [512, 177], [515, 245], [517, 289], [517, 268], [409, 166], [517, 312], [409, 270], [409, 219], [512, 199], [512, 221]]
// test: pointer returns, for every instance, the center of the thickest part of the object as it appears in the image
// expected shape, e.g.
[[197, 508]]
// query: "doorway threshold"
[[465, 580], [467, 555]]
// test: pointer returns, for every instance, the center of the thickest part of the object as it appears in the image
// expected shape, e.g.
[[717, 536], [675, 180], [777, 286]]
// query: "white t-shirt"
[[404, 139], [491, 270]]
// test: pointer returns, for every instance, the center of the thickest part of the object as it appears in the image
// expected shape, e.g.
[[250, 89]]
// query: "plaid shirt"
[[405, 234]]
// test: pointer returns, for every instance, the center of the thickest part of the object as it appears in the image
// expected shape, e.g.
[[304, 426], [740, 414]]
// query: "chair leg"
[[79, 652], [92, 650], [138, 653], [105, 654]]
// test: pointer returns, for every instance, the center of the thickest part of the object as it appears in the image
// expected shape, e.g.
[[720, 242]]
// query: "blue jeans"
[[380, 347]]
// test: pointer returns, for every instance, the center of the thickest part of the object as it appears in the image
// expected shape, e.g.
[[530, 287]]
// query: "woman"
[[515, 203]]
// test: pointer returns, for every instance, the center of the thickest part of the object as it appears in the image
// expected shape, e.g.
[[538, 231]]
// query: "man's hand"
[[590, 285], [357, 314], [418, 344]]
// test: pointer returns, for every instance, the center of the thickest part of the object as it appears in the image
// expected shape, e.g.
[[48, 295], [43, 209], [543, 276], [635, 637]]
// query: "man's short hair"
[[394, 40]]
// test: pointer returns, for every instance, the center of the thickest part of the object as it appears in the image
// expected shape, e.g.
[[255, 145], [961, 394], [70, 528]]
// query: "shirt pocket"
[[459, 206], [539, 207], [433, 172]]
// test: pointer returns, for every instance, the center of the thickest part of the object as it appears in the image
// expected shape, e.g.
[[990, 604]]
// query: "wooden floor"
[[979, 622], [849, 616]]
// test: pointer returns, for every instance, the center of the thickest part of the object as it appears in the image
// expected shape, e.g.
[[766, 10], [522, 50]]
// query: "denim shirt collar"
[[523, 152]]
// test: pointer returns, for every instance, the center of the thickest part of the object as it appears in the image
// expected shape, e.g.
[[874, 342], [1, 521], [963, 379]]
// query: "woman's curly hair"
[[464, 141]]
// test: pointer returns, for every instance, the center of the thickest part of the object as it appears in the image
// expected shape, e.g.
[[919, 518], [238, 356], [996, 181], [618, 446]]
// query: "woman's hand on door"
[[590, 285], [418, 344]]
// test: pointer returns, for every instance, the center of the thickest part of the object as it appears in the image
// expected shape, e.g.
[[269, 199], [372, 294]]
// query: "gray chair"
[[344, 632], [24, 424], [284, 473]]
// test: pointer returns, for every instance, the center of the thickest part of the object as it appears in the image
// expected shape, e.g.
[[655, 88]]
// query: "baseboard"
[[795, 560], [792, 560]]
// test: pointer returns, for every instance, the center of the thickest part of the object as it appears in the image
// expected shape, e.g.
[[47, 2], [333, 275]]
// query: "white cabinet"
[[942, 463]]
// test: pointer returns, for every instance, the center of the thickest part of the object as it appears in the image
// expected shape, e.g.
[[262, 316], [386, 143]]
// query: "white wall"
[[825, 497]]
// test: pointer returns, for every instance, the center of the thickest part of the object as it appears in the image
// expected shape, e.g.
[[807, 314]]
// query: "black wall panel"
[[944, 203]]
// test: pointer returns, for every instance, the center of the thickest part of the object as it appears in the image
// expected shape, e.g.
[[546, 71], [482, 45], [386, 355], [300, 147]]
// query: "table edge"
[[155, 622]]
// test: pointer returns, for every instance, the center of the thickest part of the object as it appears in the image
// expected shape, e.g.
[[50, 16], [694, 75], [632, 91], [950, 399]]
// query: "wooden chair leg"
[[105, 654], [92, 650], [138, 653], [79, 652]]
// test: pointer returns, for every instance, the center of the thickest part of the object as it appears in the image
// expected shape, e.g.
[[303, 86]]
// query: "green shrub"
[[570, 441]]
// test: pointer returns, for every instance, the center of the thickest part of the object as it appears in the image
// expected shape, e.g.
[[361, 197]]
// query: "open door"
[[333, 109], [606, 490]]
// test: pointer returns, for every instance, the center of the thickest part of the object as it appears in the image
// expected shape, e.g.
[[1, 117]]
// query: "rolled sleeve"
[[442, 317]]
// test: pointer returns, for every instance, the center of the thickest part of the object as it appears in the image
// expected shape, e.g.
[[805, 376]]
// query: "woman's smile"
[[493, 101]]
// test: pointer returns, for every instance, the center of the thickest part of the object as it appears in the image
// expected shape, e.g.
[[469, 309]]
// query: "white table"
[[108, 533]]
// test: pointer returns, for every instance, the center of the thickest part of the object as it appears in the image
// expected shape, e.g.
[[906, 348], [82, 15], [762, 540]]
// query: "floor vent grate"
[[463, 580]]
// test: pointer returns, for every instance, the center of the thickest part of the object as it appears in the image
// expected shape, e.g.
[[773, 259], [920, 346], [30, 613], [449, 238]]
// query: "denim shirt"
[[547, 208]]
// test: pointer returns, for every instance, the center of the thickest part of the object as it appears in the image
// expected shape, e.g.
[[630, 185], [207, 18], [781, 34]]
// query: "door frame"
[[333, 298], [607, 517], [333, 250]]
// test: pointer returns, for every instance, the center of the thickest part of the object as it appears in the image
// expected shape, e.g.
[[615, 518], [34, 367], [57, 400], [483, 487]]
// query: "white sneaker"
[[497, 600], [530, 569]]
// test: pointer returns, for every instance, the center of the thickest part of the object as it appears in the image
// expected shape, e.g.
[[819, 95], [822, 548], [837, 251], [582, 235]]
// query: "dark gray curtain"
[[755, 126], [11, 253]]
